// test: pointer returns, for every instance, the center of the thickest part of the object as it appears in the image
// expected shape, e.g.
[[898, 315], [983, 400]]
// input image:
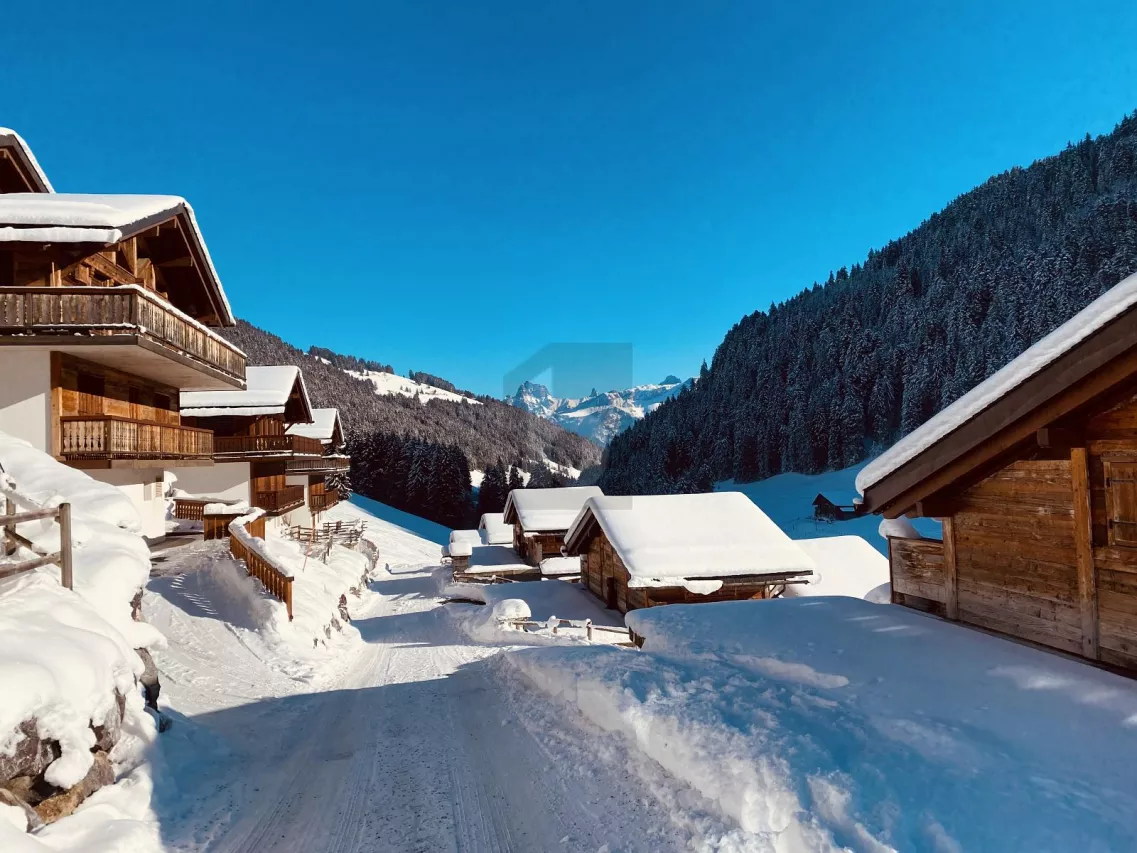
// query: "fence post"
[[588, 629], [65, 544], [9, 542], [288, 596]]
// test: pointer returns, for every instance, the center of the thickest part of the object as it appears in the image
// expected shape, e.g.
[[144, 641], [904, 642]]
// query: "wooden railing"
[[321, 502], [277, 582], [281, 500], [11, 539], [324, 465], [225, 445], [189, 509], [110, 437], [111, 311]]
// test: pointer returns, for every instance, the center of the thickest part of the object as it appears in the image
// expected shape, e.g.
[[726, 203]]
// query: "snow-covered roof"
[[665, 539], [323, 426], [15, 143], [99, 218], [1107, 307], [548, 509], [494, 529], [267, 392]]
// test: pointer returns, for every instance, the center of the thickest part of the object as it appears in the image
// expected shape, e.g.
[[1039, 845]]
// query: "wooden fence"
[[276, 582], [62, 558]]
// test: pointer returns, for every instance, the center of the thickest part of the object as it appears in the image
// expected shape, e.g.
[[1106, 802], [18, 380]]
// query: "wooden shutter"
[[1121, 501]]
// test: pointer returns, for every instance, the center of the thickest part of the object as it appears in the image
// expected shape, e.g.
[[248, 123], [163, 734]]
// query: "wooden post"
[[1084, 551], [288, 596], [951, 573], [65, 544], [588, 629], [9, 529]]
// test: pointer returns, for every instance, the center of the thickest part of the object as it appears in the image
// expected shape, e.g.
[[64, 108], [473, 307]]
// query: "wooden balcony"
[[266, 445], [282, 500], [323, 465], [96, 318], [105, 437], [327, 500]]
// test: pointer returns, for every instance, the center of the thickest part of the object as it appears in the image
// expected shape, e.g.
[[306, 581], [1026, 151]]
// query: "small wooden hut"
[[1034, 474], [663, 549], [540, 518]]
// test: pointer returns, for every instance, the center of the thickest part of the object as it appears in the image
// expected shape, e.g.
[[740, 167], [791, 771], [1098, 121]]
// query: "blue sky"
[[450, 186]]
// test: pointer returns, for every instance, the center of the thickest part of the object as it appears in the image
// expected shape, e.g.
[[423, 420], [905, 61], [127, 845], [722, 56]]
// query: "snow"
[[555, 567], [833, 723], [389, 383], [846, 565], [666, 540], [65, 653], [549, 509], [600, 417], [323, 425], [460, 548], [511, 608], [494, 530], [266, 393], [788, 500], [496, 560], [897, 528], [223, 508], [1107, 307], [10, 139]]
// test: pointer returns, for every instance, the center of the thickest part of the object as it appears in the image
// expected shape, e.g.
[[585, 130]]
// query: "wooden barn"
[[1034, 474], [540, 518], [665, 549]]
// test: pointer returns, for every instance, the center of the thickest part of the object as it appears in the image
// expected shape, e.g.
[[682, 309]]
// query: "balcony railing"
[[109, 437], [323, 465], [265, 445], [319, 502], [126, 311], [281, 500]]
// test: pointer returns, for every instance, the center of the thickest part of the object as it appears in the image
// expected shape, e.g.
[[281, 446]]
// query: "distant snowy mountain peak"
[[599, 416]]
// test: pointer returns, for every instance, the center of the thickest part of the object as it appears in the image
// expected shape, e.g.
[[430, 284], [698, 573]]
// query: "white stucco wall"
[[146, 490], [25, 396], [226, 480], [302, 515]]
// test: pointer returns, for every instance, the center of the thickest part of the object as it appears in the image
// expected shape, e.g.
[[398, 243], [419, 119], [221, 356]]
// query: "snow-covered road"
[[423, 742]]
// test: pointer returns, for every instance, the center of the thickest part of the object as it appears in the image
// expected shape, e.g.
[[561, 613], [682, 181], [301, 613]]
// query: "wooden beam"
[[951, 572], [130, 255], [1058, 438], [105, 266], [1084, 552]]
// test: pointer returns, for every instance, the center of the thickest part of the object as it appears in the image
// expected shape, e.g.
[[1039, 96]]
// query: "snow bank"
[[1106, 308], [110, 559], [846, 565], [460, 548], [832, 723], [666, 540], [555, 567]]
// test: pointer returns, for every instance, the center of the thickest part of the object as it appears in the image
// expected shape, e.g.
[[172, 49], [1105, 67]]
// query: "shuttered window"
[[1121, 501]]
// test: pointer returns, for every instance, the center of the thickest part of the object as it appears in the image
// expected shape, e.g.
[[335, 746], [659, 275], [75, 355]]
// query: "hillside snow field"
[[391, 383], [601, 416], [788, 500]]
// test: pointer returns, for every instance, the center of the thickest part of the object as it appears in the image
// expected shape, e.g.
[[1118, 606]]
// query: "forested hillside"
[[398, 440], [846, 367]]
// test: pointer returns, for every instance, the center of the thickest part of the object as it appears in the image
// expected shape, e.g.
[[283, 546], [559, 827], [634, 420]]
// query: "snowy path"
[[421, 744]]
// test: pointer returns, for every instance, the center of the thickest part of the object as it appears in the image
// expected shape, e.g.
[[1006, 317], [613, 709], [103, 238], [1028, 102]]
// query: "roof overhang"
[[1100, 368], [19, 170]]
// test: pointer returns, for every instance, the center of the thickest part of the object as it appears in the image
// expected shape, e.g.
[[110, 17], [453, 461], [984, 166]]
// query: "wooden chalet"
[[1034, 474], [665, 549], [826, 510], [541, 517], [106, 304], [323, 472], [252, 447]]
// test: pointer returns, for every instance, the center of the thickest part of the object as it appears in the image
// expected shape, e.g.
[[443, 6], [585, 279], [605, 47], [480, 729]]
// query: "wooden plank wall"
[[1015, 554], [1112, 435], [918, 568], [124, 395]]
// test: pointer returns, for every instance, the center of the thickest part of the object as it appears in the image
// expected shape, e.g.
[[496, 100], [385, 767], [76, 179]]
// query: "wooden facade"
[[604, 574], [1038, 497], [534, 547]]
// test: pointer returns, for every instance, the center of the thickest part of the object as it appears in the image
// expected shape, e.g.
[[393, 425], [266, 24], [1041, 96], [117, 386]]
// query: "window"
[[1121, 501], [92, 390], [162, 401]]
